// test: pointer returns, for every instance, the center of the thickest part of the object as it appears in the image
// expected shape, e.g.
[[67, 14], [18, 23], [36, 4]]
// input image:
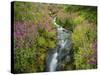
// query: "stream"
[[60, 54]]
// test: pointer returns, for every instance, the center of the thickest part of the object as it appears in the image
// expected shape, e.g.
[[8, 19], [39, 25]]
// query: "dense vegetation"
[[35, 34]]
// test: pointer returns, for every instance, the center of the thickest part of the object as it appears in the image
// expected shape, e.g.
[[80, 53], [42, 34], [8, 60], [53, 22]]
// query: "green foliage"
[[87, 12], [31, 50], [65, 23], [25, 12], [83, 36], [81, 58], [32, 59], [41, 41], [51, 44], [84, 33], [25, 58], [78, 20], [46, 39]]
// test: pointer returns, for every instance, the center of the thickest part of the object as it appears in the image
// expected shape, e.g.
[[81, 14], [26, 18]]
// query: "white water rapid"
[[63, 43]]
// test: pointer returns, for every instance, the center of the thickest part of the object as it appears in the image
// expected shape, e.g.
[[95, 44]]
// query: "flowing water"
[[62, 51]]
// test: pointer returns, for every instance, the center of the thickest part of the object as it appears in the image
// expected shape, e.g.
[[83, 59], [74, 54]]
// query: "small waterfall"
[[54, 61], [62, 50]]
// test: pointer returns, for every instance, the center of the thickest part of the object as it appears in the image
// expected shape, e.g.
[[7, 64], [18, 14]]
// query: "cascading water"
[[54, 61], [61, 51]]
